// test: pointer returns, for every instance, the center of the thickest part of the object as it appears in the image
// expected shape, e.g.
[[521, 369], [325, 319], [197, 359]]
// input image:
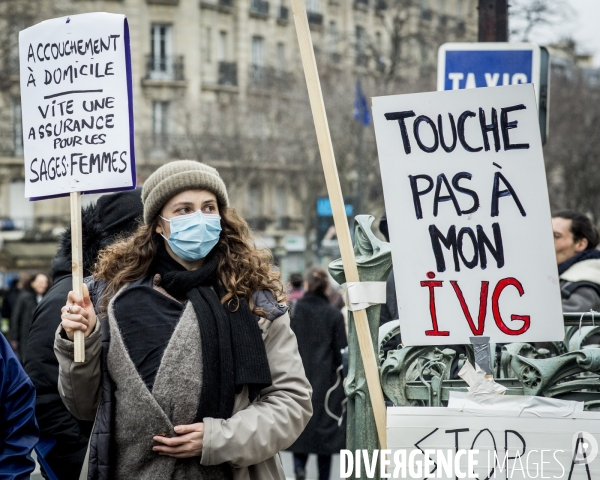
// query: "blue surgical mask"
[[193, 236]]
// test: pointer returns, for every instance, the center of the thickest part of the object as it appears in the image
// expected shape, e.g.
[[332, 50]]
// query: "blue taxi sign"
[[491, 64]]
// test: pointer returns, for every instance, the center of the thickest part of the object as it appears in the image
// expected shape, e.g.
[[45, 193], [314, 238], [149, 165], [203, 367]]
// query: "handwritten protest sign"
[[468, 215], [76, 105], [442, 442]]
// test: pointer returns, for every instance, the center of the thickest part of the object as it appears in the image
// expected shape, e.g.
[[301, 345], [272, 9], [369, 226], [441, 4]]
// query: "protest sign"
[[76, 105], [536, 438], [77, 113], [468, 215]]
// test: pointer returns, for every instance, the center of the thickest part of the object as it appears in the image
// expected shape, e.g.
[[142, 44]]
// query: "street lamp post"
[[493, 21]]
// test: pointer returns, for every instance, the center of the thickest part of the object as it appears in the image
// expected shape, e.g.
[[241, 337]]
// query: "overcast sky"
[[584, 27]]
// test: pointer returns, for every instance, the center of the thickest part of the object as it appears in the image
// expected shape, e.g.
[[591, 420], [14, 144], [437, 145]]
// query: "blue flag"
[[361, 107]]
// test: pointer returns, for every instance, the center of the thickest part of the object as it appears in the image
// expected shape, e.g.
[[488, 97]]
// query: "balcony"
[[283, 223], [314, 18], [228, 74], [258, 223], [166, 145], [269, 78], [259, 9], [426, 14], [224, 6], [11, 66], [335, 57], [362, 60], [165, 69], [10, 145], [284, 15]]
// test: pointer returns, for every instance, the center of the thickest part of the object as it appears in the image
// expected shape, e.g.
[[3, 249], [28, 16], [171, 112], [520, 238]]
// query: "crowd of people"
[[199, 362]]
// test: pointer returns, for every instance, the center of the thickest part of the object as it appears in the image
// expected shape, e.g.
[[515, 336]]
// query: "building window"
[[442, 7], [258, 51], [20, 212], [17, 128], [280, 201], [161, 56], [222, 46], [459, 9], [281, 57], [254, 201], [360, 46], [313, 6], [208, 45], [332, 38], [160, 119], [360, 40]]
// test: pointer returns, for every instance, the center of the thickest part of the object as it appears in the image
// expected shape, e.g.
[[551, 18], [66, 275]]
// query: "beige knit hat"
[[174, 178]]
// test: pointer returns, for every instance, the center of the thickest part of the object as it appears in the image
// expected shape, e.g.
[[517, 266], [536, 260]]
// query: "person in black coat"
[[113, 215], [22, 313], [319, 328], [9, 299]]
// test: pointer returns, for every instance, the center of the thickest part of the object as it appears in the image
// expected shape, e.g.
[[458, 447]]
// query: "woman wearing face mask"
[[192, 370]]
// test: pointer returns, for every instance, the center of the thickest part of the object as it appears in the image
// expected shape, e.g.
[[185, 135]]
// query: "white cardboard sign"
[[513, 443], [76, 99], [468, 215]]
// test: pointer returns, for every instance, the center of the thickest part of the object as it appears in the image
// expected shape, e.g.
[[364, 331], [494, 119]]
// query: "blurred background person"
[[113, 215], [319, 328], [22, 314], [10, 296], [575, 241], [296, 289]]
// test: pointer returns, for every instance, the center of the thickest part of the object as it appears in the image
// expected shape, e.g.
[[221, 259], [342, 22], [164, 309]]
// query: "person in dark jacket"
[[9, 299], [18, 429], [113, 215], [319, 328], [22, 314]]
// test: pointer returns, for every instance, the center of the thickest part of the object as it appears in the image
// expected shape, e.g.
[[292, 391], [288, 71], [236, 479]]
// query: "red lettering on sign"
[[482, 306], [502, 284], [435, 332]]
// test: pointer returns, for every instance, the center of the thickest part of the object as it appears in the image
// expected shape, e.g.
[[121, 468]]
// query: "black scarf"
[[233, 353], [589, 254]]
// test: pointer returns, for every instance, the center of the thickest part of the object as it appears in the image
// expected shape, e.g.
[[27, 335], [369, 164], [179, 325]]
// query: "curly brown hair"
[[243, 268]]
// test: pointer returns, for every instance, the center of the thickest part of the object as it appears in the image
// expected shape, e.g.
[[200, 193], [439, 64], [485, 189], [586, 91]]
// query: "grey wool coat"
[[249, 441]]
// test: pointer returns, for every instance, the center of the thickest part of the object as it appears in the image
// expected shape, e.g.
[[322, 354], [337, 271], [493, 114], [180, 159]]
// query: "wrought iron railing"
[[335, 57], [269, 78], [166, 68], [228, 73], [259, 7], [315, 18], [10, 145], [11, 66], [284, 14]]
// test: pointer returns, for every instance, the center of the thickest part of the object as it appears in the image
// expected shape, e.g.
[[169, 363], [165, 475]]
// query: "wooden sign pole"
[[77, 266], [339, 214]]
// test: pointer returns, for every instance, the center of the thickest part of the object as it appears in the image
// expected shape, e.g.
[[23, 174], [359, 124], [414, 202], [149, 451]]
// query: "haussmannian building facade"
[[189, 59]]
